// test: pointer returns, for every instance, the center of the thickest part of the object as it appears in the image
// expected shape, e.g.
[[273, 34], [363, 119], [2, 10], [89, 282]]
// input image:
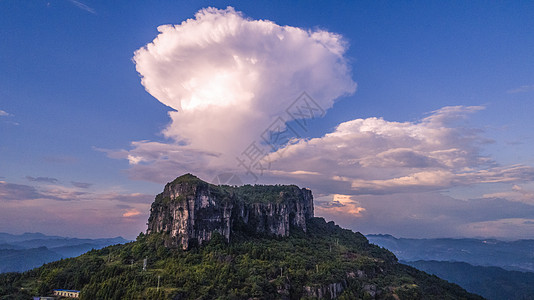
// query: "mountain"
[[11, 238], [8, 246], [514, 255], [219, 242], [23, 252], [480, 266], [493, 283], [79, 249], [189, 210], [35, 240], [25, 259]]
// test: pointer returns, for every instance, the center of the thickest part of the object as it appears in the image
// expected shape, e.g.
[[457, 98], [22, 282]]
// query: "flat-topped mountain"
[[190, 210]]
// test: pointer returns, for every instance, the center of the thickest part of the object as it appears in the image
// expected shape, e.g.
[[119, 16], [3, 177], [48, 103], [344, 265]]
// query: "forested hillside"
[[326, 262]]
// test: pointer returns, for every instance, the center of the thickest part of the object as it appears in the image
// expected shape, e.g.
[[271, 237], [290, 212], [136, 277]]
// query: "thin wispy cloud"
[[131, 213], [123, 206], [54, 190], [83, 6], [432, 214], [4, 113], [82, 185], [521, 89], [338, 204], [106, 211], [16, 192], [60, 159], [515, 193], [42, 179]]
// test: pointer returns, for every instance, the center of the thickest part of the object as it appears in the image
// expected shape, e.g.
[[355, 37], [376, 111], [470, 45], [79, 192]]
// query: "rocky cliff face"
[[190, 210]]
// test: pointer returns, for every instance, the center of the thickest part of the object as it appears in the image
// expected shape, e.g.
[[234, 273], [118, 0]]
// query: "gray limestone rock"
[[190, 210]]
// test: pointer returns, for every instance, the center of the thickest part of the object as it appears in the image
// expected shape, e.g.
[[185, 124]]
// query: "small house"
[[67, 293]]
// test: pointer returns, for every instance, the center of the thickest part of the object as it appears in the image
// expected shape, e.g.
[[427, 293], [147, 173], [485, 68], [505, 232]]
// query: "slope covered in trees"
[[327, 261]]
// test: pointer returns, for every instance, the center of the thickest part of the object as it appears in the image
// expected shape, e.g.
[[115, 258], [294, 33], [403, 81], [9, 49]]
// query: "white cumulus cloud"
[[227, 78], [375, 156]]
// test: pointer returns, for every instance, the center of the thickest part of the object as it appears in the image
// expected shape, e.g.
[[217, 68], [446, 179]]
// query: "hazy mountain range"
[[490, 282], [26, 251], [491, 268], [512, 255], [488, 267]]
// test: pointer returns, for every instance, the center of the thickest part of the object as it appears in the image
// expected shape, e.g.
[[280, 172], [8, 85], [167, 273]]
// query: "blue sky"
[[435, 140]]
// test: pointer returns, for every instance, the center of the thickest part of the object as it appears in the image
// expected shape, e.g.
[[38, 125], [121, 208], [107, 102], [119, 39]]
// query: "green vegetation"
[[247, 193], [188, 178], [266, 193], [247, 267]]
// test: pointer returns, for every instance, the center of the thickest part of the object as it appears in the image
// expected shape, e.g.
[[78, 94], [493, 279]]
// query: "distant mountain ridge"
[[7, 237], [493, 283], [509, 255], [26, 259], [26, 251], [488, 267]]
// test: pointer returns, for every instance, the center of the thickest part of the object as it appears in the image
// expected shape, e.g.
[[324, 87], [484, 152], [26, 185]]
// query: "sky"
[[411, 118]]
